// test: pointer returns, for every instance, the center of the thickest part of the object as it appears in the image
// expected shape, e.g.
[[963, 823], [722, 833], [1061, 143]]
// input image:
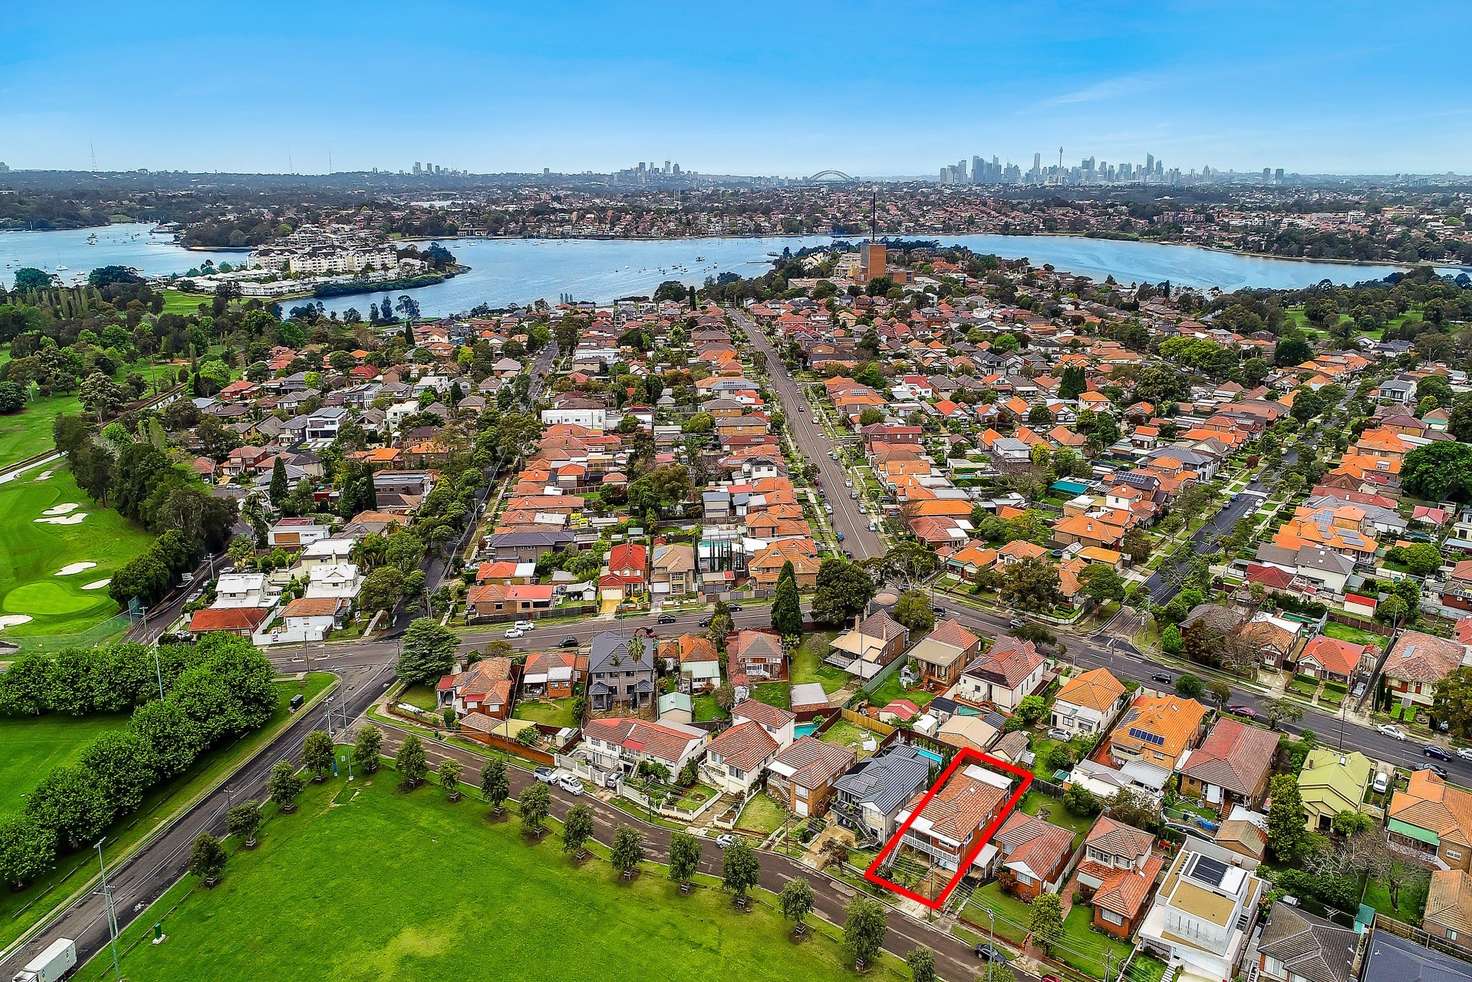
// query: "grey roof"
[[888, 780], [1317, 557], [1392, 959], [613, 644], [1309, 946]]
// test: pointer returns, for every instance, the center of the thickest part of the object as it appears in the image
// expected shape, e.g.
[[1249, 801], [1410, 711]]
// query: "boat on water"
[[92, 239]]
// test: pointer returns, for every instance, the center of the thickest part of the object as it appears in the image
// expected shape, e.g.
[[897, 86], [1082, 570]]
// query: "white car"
[[725, 840], [512, 633], [523, 625], [1394, 732], [570, 784], [1465, 753]]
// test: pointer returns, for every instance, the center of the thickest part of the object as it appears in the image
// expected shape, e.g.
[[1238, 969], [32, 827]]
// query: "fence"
[[1403, 930]]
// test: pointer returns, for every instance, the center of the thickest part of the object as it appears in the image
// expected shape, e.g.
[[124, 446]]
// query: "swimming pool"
[[805, 729], [923, 752]]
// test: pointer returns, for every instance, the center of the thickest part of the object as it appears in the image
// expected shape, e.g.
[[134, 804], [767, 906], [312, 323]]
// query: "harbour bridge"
[[830, 177]]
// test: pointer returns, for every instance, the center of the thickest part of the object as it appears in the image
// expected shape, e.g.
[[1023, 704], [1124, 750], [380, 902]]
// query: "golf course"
[[57, 550], [37, 746], [458, 895]]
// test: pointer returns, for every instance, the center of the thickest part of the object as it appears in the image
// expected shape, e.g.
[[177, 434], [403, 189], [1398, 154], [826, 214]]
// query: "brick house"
[[801, 777], [1034, 855], [1118, 871]]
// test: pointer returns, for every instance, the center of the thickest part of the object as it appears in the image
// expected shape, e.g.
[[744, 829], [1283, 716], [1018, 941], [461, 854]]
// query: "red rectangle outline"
[[961, 757]]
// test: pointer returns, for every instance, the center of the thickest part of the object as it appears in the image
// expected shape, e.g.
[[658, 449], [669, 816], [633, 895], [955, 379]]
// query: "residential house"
[[496, 601], [621, 673], [1296, 946], [626, 574], [1432, 820], [1087, 703], [765, 566], [1231, 766], [674, 572], [801, 777], [942, 655], [1005, 675], [487, 686], [618, 746], [294, 533], [1118, 871], [1417, 662], [967, 732], [950, 824], [756, 655], [553, 674], [1332, 659], [779, 723], [243, 590], [695, 658], [244, 621], [1448, 913], [873, 643], [868, 799], [735, 760], [1392, 959], [1157, 730], [1333, 781], [311, 618], [1033, 855], [1204, 913]]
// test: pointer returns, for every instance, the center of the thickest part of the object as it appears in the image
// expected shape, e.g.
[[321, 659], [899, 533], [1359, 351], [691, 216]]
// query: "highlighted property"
[[950, 824]]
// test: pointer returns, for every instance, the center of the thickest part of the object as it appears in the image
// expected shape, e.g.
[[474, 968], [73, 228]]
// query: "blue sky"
[[898, 87]]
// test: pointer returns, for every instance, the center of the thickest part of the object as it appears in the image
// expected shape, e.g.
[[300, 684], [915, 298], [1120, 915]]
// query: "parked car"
[[987, 953], [570, 642], [513, 633], [545, 774], [724, 841], [1465, 753], [1248, 713], [848, 484], [873, 526], [1438, 770], [1163, 678], [570, 784], [1432, 750], [1394, 732], [666, 619], [1057, 734], [827, 507], [1381, 784], [523, 625], [733, 608]]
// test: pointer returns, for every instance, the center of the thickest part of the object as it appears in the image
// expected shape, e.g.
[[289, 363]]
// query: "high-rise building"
[[978, 170], [1037, 166], [1278, 175], [416, 167], [1149, 163]]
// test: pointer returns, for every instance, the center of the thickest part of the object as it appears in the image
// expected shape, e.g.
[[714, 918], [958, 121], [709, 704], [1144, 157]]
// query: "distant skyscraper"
[[978, 170], [1037, 166], [416, 167], [1149, 163], [1278, 175]]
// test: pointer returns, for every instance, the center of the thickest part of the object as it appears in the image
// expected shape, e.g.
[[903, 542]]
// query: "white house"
[[243, 590], [1204, 912], [337, 580], [325, 552], [777, 722], [1011, 671]]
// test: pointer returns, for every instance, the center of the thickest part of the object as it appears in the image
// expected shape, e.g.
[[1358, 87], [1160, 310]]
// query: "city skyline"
[[497, 91]]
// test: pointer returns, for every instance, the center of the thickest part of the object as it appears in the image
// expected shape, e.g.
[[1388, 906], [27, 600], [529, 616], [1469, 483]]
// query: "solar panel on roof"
[[1208, 870]]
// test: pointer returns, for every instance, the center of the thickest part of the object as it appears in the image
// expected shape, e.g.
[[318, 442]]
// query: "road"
[[954, 959], [139, 880], [814, 444]]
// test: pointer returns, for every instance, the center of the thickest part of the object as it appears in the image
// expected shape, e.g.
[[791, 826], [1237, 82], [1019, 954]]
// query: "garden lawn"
[[1412, 897], [1345, 632], [807, 663], [706, 710], [31, 553], [20, 909], [421, 697], [324, 898], [762, 814], [553, 712], [891, 689], [1035, 802], [846, 734], [34, 746], [777, 694], [1012, 915], [1091, 952]]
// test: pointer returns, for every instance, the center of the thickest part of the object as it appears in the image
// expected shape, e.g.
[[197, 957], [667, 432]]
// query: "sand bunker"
[[97, 584], [68, 570], [73, 519], [44, 475], [62, 509], [12, 620]]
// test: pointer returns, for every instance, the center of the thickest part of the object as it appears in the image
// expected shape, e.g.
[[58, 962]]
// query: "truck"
[[59, 958]]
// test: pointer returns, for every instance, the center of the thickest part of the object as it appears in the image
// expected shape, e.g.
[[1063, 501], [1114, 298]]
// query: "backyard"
[[57, 552], [552, 712], [807, 663], [517, 905], [845, 734], [19, 909], [892, 688], [1345, 632], [1051, 809]]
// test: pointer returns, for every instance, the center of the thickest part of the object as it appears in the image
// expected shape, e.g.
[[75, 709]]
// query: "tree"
[[30, 278], [101, 396], [577, 829], [1133, 808], [1440, 471], [914, 612], [382, 589], [1288, 836], [911, 563], [1031, 709], [1422, 559], [1189, 686], [1136, 545], [279, 487], [922, 964], [863, 930], [739, 870], [998, 971], [1170, 640], [1081, 801], [1071, 382], [12, 398], [1392, 610], [1452, 702], [786, 605], [796, 901], [366, 749], [1031, 584], [317, 755], [1281, 710], [1101, 583], [627, 851], [536, 802], [493, 784], [68, 802], [684, 858], [207, 859], [428, 652], [411, 763], [243, 821], [27, 850], [844, 590], [449, 773], [1047, 921]]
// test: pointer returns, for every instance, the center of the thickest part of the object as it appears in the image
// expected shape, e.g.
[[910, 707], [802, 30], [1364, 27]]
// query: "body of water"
[[507, 271], [133, 244]]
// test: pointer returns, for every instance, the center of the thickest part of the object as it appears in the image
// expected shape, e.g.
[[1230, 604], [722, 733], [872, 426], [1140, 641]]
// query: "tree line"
[[215, 690]]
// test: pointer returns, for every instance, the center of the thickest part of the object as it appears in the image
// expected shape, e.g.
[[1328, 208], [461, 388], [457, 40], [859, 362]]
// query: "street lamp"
[[112, 914]]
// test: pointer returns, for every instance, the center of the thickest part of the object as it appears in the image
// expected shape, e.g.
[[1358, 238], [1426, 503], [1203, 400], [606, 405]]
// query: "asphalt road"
[[954, 959], [815, 445], [142, 878]]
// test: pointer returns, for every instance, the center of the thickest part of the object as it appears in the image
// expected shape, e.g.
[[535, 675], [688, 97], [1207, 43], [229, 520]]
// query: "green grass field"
[[28, 432], [179, 302], [33, 747], [31, 554], [19, 909], [364, 882]]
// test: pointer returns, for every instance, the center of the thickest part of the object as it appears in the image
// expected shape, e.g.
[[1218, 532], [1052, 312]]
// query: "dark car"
[[570, 642], [1247, 712], [666, 619], [1432, 750], [1438, 770], [989, 954], [704, 622], [1161, 677], [733, 608]]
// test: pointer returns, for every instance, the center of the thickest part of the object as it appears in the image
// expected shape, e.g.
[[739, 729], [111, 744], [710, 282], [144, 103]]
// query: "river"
[[507, 271]]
